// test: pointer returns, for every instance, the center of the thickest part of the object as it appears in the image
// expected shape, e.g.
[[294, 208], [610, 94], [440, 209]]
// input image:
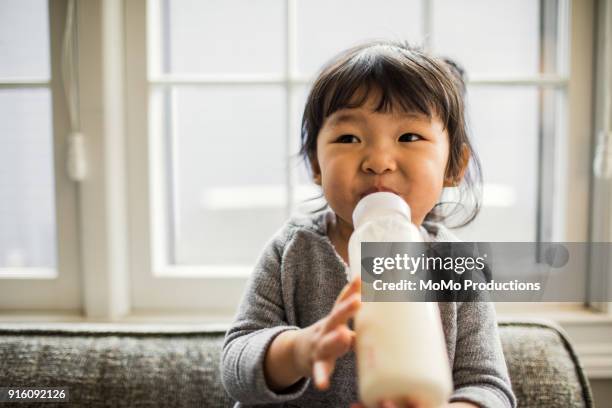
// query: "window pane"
[[221, 36], [229, 172], [489, 36], [505, 127], [326, 28], [24, 39], [27, 199]]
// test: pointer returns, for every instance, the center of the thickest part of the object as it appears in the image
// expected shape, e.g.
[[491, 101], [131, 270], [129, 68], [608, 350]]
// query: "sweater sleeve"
[[260, 318], [479, 372]]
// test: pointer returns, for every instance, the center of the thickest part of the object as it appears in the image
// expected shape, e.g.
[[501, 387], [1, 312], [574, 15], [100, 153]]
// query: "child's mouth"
[[377, 189]]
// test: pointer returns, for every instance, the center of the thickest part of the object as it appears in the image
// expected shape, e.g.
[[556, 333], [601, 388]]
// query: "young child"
[[380, 117]]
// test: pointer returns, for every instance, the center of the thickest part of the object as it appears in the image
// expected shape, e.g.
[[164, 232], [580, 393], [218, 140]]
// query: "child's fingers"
[[322, 370], [342, 312], [353, 337], [354, 286], [335, 343]]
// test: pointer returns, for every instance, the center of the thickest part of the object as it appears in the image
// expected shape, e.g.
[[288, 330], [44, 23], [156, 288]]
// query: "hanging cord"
[[76, 164], [602, 165]]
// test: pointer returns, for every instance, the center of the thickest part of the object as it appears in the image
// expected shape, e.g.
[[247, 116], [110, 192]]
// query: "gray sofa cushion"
[[115, 367], [170, 366]]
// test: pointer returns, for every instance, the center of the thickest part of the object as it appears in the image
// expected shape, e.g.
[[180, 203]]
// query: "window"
[[225, 84], [37, 223], [517, 99], [210, 170], [28, 213]]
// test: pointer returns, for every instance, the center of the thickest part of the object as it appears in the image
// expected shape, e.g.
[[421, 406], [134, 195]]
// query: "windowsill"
[[562, 313], [136, 318]]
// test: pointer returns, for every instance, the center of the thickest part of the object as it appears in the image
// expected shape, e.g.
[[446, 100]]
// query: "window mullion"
[[427, 24], [102, 196], [547, 205], [549, 80], [290, 68], [8, 83], [600, 222]]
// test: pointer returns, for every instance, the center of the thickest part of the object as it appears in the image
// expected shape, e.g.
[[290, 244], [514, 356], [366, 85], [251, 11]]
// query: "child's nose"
[[378, 161]]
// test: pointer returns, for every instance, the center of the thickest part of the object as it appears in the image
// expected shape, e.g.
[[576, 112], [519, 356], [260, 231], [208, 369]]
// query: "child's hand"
[[320, 344]]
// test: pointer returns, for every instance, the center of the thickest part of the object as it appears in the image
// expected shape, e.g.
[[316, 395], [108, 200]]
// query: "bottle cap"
[[379, 204]]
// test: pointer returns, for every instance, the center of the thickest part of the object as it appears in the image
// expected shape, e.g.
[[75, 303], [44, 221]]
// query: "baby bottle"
[[400, 347]]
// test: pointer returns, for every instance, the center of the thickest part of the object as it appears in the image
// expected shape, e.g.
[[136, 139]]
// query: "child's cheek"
[[337, 191], [432, 170]]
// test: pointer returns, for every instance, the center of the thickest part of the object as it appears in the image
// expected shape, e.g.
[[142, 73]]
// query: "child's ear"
[[316, 171], [450, 181]]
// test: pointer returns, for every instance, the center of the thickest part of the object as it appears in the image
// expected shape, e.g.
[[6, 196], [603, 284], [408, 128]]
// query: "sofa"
[[114, 365]]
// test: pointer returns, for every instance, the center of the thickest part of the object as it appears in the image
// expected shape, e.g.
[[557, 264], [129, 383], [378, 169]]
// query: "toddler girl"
[[380, 117]]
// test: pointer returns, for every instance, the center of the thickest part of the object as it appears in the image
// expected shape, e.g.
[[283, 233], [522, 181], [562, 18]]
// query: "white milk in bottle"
[[400, 346]]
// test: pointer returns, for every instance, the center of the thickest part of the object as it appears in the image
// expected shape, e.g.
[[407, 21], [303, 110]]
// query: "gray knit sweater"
[[295, 283]]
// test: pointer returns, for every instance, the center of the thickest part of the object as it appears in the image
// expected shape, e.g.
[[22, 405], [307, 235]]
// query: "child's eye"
[[347, 139], [409, 137]]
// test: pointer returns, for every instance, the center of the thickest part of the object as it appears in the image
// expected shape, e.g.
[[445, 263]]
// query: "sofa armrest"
[[543, 366]]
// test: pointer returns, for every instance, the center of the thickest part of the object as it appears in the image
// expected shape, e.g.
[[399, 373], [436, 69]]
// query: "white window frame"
[[92, 215], [152, 284], [44, 288], [156, 285]]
